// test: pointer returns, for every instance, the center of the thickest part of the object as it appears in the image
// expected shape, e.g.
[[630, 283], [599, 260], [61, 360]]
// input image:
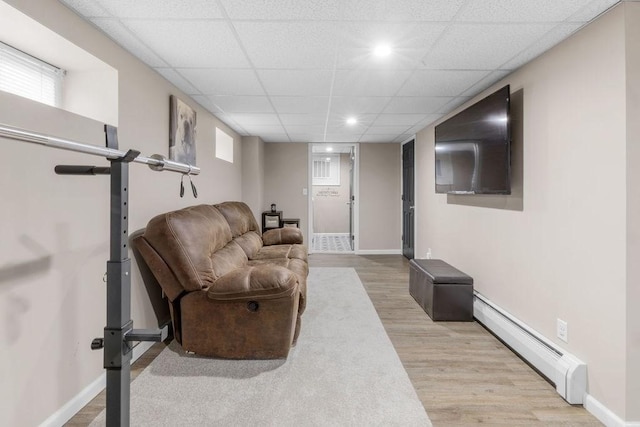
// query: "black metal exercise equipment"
[[118, 333]]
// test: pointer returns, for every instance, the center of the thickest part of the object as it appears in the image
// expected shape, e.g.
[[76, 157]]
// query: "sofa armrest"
[[282, 236], [259, 282]]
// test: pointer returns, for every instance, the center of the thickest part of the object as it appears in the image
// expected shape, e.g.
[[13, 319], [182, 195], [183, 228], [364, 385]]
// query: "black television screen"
[[473, 148]]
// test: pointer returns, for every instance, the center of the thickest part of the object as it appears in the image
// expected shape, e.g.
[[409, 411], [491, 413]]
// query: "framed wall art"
[[182, 132]]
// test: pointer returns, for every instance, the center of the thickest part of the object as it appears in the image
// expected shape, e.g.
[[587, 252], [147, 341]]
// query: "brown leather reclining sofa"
[[233, 293]]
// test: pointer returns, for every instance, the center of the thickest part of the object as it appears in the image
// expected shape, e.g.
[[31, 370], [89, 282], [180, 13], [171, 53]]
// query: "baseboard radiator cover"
[[565, 371]]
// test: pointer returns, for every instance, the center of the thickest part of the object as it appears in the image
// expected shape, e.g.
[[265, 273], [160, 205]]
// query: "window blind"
[[27, 76]]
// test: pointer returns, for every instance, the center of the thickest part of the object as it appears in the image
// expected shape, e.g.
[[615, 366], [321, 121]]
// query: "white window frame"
[[27, 76], [326, 169], [224, 146]]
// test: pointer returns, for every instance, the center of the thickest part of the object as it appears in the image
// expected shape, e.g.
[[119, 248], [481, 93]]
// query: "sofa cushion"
[[194, 243], [239, 217], [257, 282], [282, 236], [250, 242]]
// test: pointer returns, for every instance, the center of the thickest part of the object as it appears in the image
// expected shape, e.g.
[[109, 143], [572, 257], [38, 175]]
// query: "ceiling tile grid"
[[190, 44], [296, 70]]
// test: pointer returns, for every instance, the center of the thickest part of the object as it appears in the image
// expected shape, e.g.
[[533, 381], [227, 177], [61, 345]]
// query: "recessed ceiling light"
[[352, 121], [329, 148], [382, 50]]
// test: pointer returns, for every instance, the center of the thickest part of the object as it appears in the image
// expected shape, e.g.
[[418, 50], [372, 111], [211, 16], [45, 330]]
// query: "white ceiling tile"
[[404, 138], [283, 9], [409, 42], [519, 10], [302, 129], [248, 120], [191, 43], [492, 78], [206, 103], [354, 130], [354, 106], [86, 8], [386, 130], [340, 120], [223, 82], [242, 104], [345, 10], [232, 123], [289, 44], [592, 10], [166, 9], [553, 37], [307, 137], [179, 81], [430, 118], [303, 119], [296, 82], [331, 137], [300, 104], [121, 35], [455, 103], [482, 46], [264, 130], [378, 138], [398, 119], [441, 82], [401, 10], [416, 104], [369, 82], [276, 137]]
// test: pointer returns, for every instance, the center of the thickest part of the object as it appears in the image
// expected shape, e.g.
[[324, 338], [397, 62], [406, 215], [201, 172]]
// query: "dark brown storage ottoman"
[[444, 292]]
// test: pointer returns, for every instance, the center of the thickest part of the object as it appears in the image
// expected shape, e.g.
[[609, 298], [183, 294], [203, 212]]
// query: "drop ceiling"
[[295, 70]]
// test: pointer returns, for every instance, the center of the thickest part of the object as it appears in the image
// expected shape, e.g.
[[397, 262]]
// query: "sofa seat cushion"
[[297, 266], [281, 251], [282, 236], [257, 282]]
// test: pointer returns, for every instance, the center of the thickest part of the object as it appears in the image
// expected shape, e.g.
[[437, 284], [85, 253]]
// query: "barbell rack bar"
[[155, 162]]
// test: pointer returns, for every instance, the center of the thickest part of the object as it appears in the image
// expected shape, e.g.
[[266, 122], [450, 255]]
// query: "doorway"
[[333, 198], [408, 199]]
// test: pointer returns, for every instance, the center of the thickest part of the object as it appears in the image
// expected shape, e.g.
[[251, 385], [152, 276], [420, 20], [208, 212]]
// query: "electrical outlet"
[[562, 330]]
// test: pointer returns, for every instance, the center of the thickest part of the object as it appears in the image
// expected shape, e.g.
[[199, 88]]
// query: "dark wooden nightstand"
[[271, 220]]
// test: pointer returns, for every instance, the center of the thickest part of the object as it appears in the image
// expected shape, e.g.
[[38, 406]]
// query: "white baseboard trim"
[[80, 400], [605, 415], [379, 252]]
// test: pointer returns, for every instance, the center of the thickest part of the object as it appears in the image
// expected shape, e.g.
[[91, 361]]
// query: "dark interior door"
[[408, 199], [352, 165]]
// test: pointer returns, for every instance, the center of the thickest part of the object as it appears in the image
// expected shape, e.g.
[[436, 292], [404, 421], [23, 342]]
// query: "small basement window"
[[27, 76], [326, 169], [224, 146]]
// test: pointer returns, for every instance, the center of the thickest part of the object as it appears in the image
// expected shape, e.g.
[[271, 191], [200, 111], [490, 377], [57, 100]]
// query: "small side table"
[[271, 220], [290, 222]]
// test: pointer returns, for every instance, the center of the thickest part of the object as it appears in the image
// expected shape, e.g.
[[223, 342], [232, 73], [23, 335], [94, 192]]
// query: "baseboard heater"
[[565, 371]]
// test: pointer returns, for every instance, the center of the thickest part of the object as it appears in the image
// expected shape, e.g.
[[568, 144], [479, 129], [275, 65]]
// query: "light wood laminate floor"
[[463, 375]]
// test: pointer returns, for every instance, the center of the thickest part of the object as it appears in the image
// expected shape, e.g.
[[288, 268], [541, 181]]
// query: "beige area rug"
[[344, 371]]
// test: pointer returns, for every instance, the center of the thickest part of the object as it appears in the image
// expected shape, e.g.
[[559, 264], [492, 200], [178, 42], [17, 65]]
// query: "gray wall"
[[330, 209], [286, 174], [632, 21], [54, 243], [253, 174], [380, 204], [568, 248]]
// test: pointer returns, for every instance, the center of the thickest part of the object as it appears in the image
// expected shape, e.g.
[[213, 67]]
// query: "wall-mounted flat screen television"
[[473, 148]]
